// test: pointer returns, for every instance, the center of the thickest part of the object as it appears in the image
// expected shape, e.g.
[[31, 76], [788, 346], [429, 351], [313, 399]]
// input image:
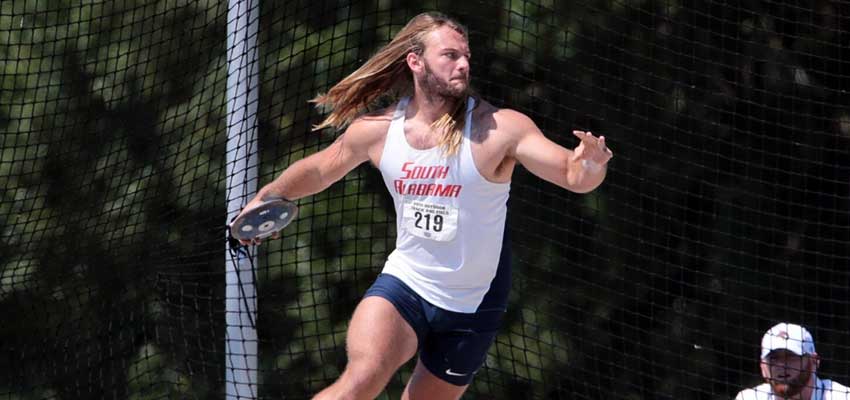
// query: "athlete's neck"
[[429, 108]]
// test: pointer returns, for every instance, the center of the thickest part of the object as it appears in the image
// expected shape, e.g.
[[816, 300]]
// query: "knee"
[[363, 380]]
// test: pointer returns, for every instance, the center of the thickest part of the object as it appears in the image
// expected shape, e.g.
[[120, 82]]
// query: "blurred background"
[[726, 208]]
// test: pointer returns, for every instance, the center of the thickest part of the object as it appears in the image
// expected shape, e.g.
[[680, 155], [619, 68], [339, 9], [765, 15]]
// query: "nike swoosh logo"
[[449, 372]]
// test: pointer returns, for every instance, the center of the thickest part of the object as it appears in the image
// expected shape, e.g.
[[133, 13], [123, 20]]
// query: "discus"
[[264, 220]]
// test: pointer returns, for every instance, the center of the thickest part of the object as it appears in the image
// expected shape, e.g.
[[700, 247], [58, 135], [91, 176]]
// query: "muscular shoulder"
[[503, 127], [760, 392], [365, 136], [507, 124], [505, 120], [370, 126]]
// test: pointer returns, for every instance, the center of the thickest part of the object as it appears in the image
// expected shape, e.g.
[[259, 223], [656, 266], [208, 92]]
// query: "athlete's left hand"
[[591, 149]]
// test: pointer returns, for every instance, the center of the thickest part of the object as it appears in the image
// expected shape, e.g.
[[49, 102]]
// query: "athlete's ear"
[[414, 62]]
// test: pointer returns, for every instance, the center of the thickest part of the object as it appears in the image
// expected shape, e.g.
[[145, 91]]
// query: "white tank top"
[[450, 220]]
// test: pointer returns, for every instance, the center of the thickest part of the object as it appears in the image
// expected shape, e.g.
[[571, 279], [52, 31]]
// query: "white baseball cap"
[[787, 336]]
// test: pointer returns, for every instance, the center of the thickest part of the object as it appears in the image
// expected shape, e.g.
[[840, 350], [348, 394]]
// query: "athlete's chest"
[[487, 146]]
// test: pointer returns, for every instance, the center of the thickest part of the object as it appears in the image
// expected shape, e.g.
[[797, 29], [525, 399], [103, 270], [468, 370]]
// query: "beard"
[[434, 86], [793, 387]]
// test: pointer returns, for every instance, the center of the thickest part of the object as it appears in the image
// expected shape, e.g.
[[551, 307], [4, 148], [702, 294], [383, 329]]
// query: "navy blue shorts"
[[452, 345]]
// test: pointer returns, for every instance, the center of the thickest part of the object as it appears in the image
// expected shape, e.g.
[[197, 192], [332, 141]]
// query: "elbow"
[[582, 188], [583, 181]]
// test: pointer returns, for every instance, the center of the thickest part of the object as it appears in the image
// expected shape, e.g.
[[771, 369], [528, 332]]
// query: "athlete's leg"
[[423, 385], [452, 353], [379, 341]]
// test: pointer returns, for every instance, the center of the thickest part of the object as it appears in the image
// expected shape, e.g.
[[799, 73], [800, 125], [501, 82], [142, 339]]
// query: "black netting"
[[726, 208]]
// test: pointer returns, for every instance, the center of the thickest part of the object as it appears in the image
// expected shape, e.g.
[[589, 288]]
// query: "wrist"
[[269, 195], [591, 166]]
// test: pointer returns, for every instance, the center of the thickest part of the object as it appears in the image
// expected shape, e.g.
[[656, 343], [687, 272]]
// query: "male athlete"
[[788, 366], [447, 159]]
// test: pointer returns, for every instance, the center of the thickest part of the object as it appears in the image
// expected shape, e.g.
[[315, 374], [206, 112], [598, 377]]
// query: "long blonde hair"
[[387, 71]]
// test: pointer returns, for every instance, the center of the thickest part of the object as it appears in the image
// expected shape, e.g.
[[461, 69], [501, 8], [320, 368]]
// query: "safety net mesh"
[[726, 208]]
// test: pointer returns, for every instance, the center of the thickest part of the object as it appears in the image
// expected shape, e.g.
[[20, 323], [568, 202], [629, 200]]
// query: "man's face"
[[446, 64], [786, 372]]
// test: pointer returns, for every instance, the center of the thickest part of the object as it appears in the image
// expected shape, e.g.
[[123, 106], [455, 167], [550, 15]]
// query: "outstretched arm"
[[318, 171], [580, 170]]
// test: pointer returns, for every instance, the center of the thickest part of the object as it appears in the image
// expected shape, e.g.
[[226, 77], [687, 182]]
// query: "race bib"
[[430, 220]]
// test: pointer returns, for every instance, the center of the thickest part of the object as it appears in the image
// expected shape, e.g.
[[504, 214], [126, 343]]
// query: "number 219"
[[437, 222]]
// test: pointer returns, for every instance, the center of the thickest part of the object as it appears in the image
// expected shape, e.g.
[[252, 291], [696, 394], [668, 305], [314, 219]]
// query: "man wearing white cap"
[[788, 365]]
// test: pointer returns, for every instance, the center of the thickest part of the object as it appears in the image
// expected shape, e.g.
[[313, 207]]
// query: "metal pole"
[[242, 99]]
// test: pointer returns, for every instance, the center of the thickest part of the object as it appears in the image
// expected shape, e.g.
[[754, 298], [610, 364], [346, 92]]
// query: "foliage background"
[[725, 209]]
